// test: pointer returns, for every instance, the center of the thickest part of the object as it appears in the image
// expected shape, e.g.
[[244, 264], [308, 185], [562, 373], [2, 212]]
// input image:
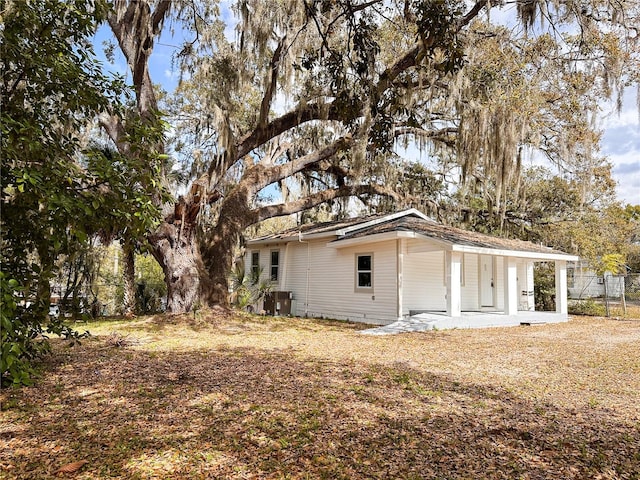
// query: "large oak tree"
[[312, 96]]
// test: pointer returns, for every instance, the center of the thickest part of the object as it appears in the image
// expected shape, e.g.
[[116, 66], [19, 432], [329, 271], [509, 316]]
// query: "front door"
[[486, 281]]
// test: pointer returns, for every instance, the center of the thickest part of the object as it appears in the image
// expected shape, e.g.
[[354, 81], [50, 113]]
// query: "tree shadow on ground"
[[246, 413], [233, 323]]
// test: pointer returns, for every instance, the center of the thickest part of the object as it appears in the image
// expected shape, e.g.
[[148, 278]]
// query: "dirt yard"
[[251, 397]]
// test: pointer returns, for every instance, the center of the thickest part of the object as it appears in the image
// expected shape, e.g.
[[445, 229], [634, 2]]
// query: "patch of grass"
[[587, 307], [282, 398]]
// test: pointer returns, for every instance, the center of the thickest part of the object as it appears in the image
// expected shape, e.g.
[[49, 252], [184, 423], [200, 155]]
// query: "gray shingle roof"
[[449, 234], [314, 228], [409, 222]]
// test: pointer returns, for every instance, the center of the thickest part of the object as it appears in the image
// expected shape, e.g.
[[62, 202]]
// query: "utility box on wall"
[[278, 303]]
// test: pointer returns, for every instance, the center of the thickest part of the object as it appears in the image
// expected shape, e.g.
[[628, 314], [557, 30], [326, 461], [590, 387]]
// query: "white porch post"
[[453, 262], [510, 286], [531, 304], [400, 248], [561, 287]]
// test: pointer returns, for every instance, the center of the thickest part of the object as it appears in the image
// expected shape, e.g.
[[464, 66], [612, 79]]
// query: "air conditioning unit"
[[278, 303]]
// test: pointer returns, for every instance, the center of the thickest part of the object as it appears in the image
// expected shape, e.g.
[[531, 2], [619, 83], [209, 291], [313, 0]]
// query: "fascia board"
[[380, 237], [513, 253], [387, 218], [293, 238]]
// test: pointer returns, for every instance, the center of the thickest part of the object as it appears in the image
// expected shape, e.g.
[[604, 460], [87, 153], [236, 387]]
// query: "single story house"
[[584, 282], [384, 268]]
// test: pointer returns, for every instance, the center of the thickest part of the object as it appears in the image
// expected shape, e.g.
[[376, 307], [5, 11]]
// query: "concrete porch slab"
[[440, 321]]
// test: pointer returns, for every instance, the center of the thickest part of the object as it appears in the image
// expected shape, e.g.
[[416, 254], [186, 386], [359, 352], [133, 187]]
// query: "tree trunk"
[[43, 286], [129, 280], [218, 261], [219, 247], [177, 251]]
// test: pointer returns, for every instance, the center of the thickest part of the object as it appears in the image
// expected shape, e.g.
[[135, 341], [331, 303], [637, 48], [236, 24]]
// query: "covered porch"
[[441, 321], [453, 285]]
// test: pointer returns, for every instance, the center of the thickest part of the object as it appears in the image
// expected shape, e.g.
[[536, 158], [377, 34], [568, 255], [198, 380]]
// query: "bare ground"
[[251, 397]]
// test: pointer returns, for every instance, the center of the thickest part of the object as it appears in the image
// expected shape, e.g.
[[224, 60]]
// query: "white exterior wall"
[[615, 285], [265, 262], [499, 282], [424, 282], [332, 280], [470, 282], [585, 283], [265, 265]]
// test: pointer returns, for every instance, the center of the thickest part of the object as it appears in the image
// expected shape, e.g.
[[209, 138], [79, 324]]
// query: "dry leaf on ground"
[[71, 467]]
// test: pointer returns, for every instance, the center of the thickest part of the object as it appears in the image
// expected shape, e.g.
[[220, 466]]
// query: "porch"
[[474, 285], [441, 321]]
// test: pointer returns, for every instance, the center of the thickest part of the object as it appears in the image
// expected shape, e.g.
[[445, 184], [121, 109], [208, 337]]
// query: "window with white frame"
[[255, 266], [364, 272], [275, 265]]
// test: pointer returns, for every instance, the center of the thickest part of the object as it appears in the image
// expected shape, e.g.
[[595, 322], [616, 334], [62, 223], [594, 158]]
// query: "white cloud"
[[621, 144], [626, 171]]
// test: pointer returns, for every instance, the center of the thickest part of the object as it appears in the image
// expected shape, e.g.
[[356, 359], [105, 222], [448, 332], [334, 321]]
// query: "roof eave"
[[503, 252], [299, 237], [376, 237], [451, 246], [387, 218]]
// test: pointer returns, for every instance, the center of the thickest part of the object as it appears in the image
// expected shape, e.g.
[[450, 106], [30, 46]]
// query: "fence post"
[[623, 297], [606, 296]]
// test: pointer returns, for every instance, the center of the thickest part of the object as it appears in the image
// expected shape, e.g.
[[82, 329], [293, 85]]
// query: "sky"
[[620, 141], [621, 144]]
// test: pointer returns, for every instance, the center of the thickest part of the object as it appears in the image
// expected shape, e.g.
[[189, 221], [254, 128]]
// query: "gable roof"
[[449, 235], [336, 227], [410, 224]]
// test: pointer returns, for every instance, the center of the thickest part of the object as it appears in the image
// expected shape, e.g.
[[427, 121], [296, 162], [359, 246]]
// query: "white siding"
[[499, 283], [265, 262], [322, 279], [331, 280], [265, 265], [424, 282], [586, 284], [470, 285]]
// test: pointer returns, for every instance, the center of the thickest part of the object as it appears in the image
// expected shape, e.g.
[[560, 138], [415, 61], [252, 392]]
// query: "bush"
[[24, 330], [587, 307], [544, 288]]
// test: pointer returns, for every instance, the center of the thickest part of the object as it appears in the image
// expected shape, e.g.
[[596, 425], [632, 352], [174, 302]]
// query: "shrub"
[[587, 307]]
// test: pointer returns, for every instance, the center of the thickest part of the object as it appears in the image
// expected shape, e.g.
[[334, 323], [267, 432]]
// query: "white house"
[[384, 268], [584, 282]]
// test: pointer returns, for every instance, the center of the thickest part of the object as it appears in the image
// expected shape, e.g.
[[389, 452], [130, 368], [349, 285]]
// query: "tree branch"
[[259, 176], [442, 135], [311, 201], [473, 13], [405, 62], [158, 16], [265, 106], [135, 27], [296, 117], [112, 125]]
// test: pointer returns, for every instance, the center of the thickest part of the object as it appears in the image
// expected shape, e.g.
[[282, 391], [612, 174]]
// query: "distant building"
[[583, 282]]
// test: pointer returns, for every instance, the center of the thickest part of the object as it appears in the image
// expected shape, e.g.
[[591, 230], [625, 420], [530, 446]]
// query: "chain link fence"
[[107, 299], [605, 295]]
